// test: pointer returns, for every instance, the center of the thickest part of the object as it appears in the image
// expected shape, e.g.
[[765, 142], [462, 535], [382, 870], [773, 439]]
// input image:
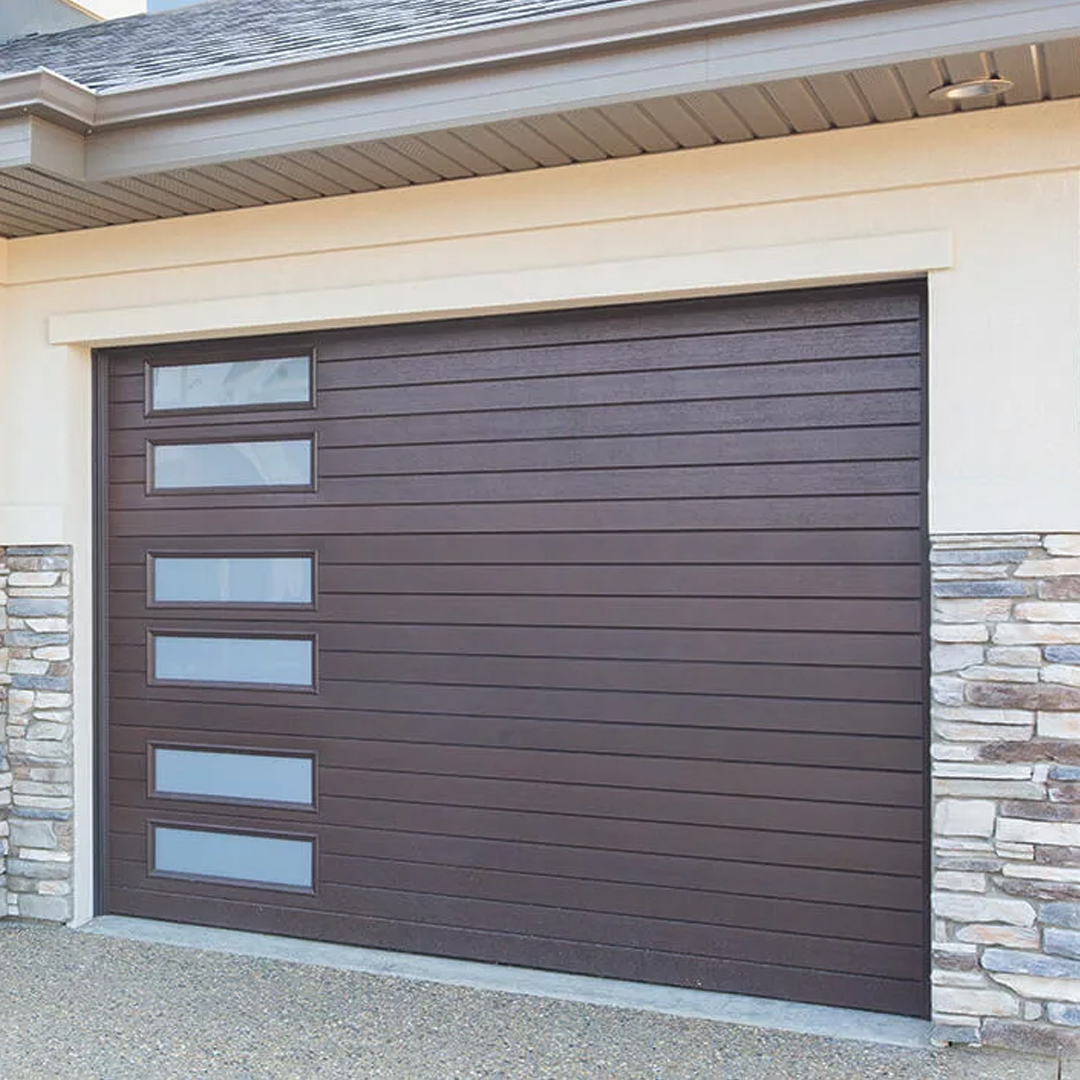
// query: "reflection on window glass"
[[242, 579], [270, 463], [233, 775], [272, 661], [277, 381], [267, 860]]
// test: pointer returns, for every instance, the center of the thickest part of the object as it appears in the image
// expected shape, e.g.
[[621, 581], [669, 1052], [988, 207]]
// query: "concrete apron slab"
[[673, 1001]]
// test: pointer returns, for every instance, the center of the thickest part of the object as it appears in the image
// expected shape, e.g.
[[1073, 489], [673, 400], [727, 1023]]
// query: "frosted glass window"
[[266, 463], [272, 661], [278, 381], [265, 860], [243, 579], [216, 774]]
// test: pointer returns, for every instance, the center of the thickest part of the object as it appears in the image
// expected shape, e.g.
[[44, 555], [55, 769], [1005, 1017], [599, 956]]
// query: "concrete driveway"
[[76, 1005]]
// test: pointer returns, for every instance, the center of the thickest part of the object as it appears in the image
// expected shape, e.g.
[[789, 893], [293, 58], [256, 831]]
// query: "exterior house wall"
[[986, 203]]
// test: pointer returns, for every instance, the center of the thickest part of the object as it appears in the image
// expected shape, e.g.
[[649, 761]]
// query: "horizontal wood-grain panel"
[[620, 620]]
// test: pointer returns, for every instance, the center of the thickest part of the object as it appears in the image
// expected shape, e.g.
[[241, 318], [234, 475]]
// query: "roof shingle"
[[220, 36]]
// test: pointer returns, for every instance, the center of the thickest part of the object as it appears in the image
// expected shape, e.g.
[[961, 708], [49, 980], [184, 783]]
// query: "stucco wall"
[[986, 203]]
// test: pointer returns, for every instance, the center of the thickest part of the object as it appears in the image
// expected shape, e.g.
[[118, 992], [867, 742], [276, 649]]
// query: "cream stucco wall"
[[986, 203]]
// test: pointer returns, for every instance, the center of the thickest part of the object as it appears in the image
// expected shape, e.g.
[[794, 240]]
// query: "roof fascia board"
[[618, 75], [44, 93]]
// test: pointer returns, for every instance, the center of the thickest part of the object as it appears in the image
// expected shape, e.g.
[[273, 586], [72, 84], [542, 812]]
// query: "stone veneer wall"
[[36, 770], [1005, 768]]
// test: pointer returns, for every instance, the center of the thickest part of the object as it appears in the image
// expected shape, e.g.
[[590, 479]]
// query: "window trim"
[[231, 605], [152, 791], [153, 632], [311, 437], [150, 411], [154, 823]]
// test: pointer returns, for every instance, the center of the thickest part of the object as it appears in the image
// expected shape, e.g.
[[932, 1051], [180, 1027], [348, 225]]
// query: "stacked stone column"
[[1006, 790], [36, 768]]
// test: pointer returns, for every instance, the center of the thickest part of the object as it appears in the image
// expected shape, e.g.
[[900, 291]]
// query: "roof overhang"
[[634, 51]]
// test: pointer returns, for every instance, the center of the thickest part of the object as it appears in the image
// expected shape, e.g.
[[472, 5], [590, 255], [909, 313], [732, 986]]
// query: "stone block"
[[1024, 831], [965, 817], [1062, 588], [955, 657], [981, 733], [954, 1035], [947, 689], [959, 633], [981, 770], [1064, 725], [1039, 988], [985, 589], [28, 608], [41, 729], [1040, 751], [991, 673], [1061, 915], [33, 834], [1041, 872], [1014, 962], [960, 881], [1038, 697], [972, 1002], [1042, 811], [993, 789], [1006, 633], [966, 908], [962, 557], [53, 652], [1062, 544], [974, 611], [23, 579], [972, 979], [1039, 890], [49, 626], [1062, 654], [1065, 674], [1009, 937], [1028, 1038], [51, 908], [951, 956], [1062, 942], [1058, 1013], [1021, 656]]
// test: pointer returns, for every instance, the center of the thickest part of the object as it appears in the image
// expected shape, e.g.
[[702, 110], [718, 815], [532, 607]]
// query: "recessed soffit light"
[[972, 89]]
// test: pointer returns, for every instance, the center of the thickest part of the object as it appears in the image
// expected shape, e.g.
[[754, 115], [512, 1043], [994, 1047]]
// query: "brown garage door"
[[589, 641]]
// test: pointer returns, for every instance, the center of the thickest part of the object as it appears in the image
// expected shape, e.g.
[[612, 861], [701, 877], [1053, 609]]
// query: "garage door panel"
[[829, 988], [662, 733], [851, 511], [765, 347], [734, 646], [848, 547], [345, 736], [882, 477], [620, 632], [390, 853], [616, 388], [132, 699], [342, 787], [736, 912], [831, 308], [731, 776], [542, 830], [887, 408], [884, 443]]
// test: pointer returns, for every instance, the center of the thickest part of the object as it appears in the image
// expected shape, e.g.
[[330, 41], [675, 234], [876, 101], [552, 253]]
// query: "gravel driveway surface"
[[77, 1006]]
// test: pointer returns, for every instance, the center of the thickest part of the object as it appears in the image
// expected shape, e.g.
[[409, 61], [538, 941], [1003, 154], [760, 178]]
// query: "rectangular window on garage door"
[[247, 580], [263, 383]]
